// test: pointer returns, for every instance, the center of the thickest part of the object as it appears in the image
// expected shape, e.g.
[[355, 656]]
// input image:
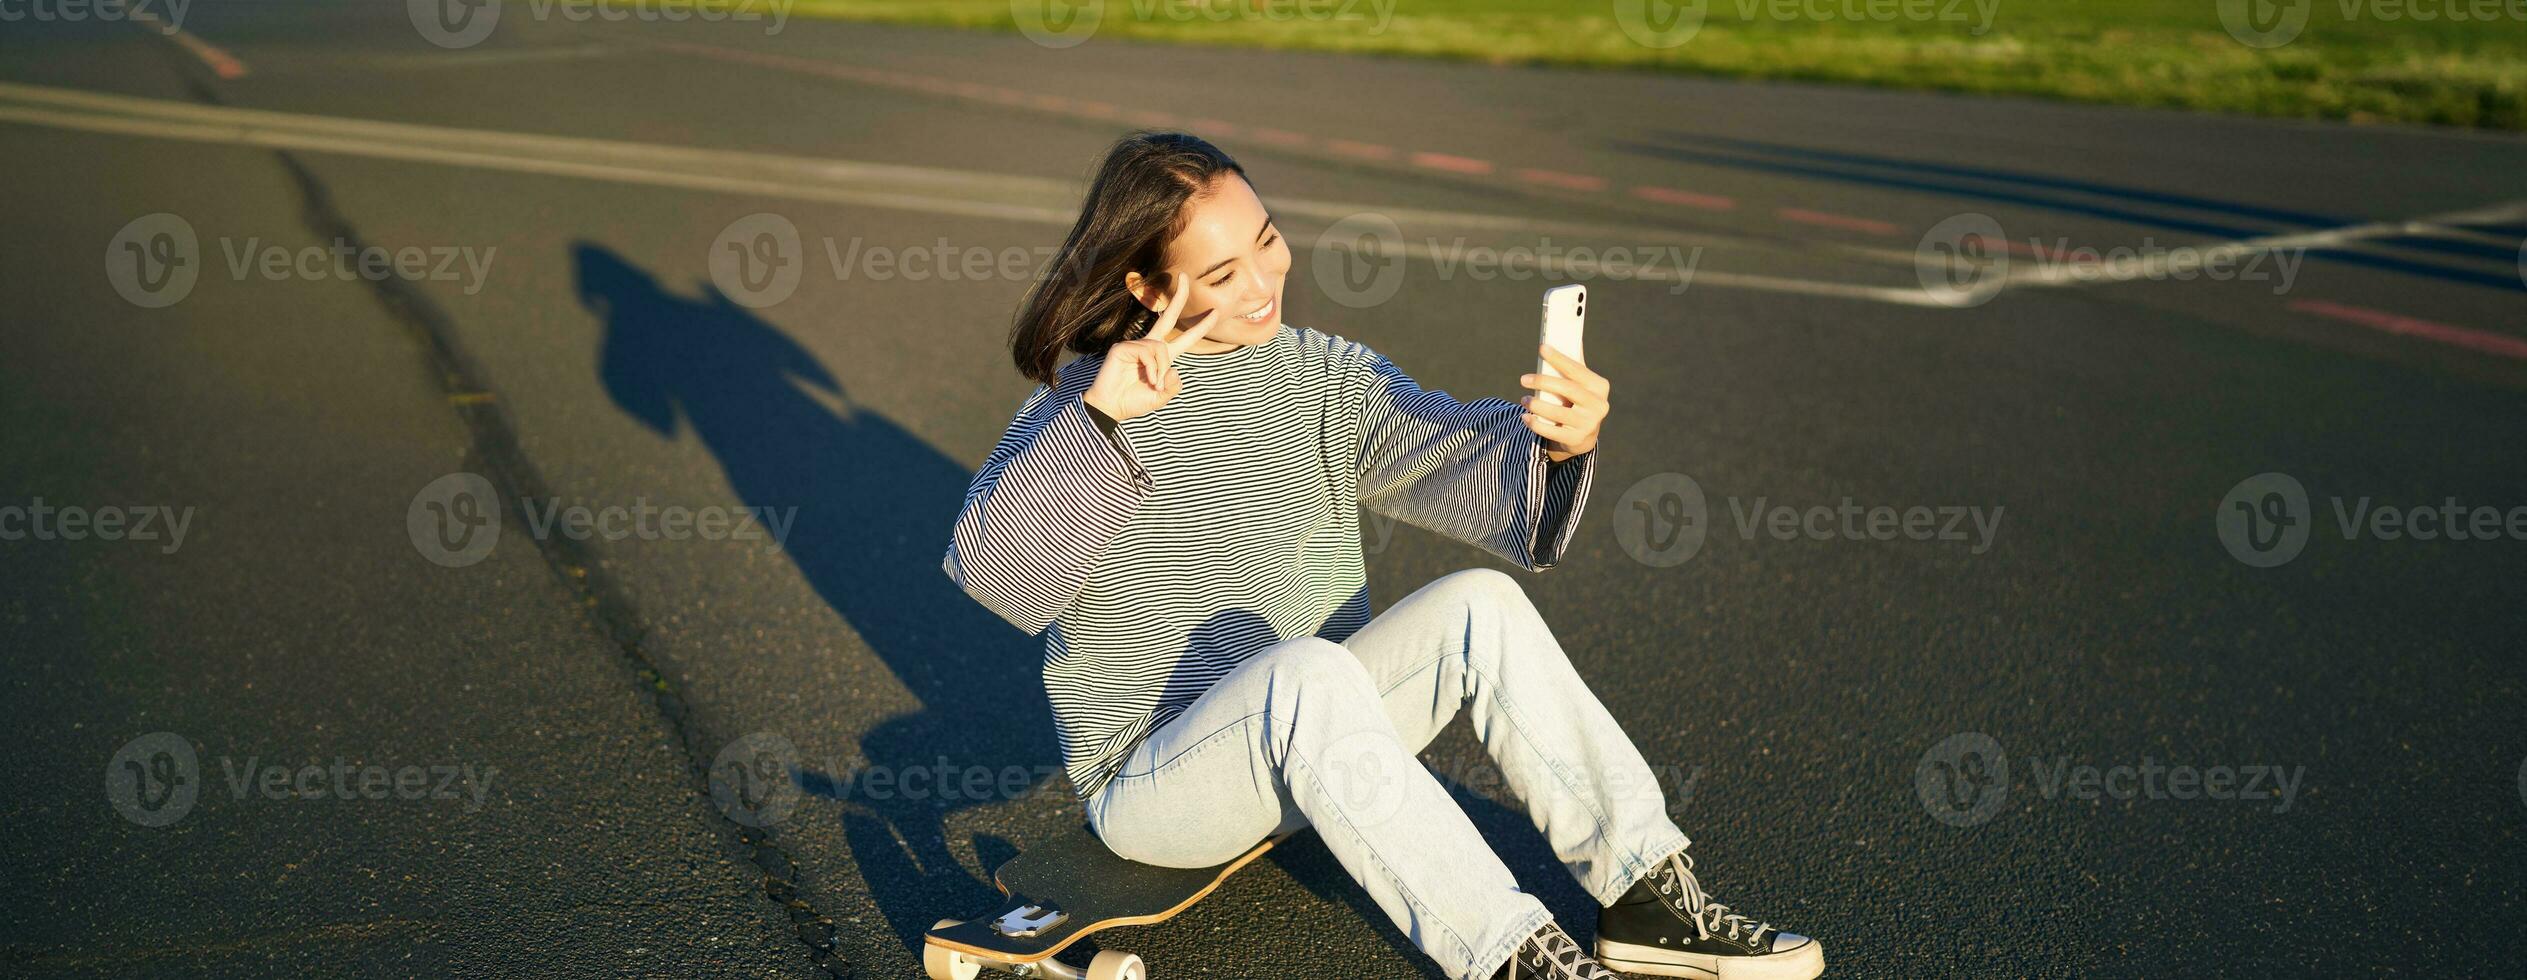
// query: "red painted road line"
[[1670, 195], [2479, 341], [1280, 137], [1842, 221], [1556, 178], [1213, 128], [1457, 164], [1365, 151], [221, 63]]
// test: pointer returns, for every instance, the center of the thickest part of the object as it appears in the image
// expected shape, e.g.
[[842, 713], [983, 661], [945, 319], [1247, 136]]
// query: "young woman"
[[1175, 509]]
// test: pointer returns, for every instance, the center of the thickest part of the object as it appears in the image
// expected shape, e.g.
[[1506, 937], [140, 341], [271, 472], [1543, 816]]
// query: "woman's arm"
[[1471, 471], [1047, 501]]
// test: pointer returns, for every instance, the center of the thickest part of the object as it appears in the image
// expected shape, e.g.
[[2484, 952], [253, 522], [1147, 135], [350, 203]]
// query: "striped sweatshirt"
[[1157, 553]]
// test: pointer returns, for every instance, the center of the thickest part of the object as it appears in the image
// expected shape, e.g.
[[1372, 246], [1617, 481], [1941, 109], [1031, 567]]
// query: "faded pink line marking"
[[2479, 341], [1670, 195], [1154, 120], [221, 63], [1366, 151], [1842, 221], [1451, 162], [1212, 127], [1282, 137], [1556, 178]]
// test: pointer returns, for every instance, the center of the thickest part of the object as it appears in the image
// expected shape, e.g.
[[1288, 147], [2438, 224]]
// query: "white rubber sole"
[[1803, 963]]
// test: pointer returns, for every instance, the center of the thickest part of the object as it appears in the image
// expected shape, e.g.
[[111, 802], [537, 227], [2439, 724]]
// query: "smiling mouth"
[[1260, 312]]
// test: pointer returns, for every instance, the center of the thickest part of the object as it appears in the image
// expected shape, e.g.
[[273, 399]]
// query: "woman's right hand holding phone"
[[1139, 376]]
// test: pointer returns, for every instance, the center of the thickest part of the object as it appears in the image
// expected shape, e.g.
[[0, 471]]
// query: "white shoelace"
[[1709, 917]]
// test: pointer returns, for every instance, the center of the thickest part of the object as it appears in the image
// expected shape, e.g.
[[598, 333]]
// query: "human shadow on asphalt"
[[874, 507]]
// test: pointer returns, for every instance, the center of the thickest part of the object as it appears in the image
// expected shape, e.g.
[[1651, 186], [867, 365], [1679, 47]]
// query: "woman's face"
[[1237, 261]]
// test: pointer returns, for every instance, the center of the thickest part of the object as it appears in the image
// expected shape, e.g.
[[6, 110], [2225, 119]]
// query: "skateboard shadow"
[[874, 507]]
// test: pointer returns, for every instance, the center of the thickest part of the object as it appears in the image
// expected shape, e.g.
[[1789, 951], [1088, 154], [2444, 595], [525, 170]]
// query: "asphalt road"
[[567, 699]]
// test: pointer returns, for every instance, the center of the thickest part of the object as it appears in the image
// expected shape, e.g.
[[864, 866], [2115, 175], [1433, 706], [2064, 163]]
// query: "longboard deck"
[[1077, 876]]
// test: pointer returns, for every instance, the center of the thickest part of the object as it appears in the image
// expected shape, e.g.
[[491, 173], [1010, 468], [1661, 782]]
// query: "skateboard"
[[1059, 891]]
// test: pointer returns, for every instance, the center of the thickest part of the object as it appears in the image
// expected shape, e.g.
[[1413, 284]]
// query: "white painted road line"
[[930, 190], [2161, 264]]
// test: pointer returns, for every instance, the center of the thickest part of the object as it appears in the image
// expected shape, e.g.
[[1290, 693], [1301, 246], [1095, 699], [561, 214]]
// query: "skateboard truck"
[[1029, 921]]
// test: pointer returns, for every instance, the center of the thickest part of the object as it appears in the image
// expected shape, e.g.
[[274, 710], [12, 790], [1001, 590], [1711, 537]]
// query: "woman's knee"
[[1316, 665], [1495, 597], [1489, 586]]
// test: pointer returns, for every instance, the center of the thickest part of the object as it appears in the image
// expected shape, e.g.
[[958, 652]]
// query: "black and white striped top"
[[1163, 550]]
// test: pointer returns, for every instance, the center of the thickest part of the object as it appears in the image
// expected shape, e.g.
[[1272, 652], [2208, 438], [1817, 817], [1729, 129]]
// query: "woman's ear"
[[1151, 293]]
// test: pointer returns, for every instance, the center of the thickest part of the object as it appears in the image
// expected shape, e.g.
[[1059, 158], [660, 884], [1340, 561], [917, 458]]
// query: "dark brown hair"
[[1135, 206]]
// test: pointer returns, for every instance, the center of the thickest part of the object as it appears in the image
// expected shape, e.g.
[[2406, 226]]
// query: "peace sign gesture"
[[1139, 376]]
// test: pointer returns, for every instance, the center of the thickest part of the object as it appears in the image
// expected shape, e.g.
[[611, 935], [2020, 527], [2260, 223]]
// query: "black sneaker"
[[1552, 954], [1665, 926]]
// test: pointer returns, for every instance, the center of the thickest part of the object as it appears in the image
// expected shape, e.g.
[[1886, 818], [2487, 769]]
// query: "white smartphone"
[[1565, 312]]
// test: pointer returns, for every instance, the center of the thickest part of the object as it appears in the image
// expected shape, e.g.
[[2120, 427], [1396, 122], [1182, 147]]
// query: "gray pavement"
[[1803, 691]]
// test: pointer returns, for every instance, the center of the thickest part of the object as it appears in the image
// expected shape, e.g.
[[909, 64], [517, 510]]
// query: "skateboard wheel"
[[1115, 964], [947, 964]]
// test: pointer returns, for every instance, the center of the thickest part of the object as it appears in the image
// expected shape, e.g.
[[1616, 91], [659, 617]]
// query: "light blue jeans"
[[1314, 733]]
